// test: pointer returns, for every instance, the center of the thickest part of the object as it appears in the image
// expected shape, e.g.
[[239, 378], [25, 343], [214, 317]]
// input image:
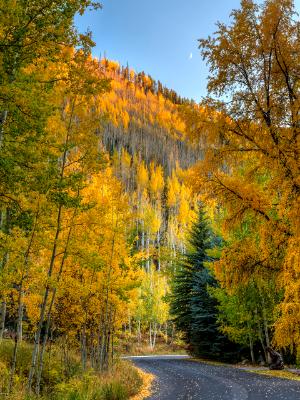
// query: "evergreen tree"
[[194, 309]]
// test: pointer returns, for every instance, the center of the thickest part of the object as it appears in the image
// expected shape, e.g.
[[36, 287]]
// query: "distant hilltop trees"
[[143, 81]]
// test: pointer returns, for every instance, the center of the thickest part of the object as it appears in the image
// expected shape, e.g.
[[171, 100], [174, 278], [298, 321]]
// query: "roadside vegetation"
[[64, 379]]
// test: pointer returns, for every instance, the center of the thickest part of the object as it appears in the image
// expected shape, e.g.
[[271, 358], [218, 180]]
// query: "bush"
[[128, 376], [23, 359], [4, 376], [114, 391]]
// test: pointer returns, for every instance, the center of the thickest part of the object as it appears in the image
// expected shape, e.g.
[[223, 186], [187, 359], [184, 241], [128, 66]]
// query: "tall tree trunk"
[[52, 301], [37, 335], [129, 323], [107, 312], [150, 335], [266, 329], [2, 320], [166, 332], [19, 322], [18, 338], [173, 333], [260, 335], [148, 252], [139, 334], [83, 348], [154, 335], [5, 227], [251, 349], [3, 117], [113, 343]]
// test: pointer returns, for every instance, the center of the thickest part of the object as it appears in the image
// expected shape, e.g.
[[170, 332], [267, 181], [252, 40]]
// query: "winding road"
[[180, 378]]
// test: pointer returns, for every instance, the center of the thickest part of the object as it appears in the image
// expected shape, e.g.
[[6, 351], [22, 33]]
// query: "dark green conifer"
[[194, 309]]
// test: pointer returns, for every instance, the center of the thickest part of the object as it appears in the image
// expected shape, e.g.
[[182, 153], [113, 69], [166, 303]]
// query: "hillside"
[[143, 118]]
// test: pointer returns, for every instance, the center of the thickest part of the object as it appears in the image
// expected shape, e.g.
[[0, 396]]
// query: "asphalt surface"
[[179, 378]]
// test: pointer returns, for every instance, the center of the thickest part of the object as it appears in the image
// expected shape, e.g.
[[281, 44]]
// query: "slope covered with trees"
[[143, 117]]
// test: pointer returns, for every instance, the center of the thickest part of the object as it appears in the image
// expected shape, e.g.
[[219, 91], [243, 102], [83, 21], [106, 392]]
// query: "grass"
[[277, 374], [284, 374], [132, 348], [67, 382], [122, 382], [212, 362]]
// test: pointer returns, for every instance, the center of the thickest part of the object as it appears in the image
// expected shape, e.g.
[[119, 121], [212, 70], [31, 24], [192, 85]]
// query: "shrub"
[[128, 376], [4, 375], [23, 359], [114, 391]]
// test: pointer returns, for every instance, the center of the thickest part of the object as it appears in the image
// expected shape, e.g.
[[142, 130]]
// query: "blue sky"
[[159, 37]]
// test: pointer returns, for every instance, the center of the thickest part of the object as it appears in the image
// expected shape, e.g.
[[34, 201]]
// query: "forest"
[[136, 221]]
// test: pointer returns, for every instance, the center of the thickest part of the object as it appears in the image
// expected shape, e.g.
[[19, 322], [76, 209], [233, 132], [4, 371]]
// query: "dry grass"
[[143, 349]]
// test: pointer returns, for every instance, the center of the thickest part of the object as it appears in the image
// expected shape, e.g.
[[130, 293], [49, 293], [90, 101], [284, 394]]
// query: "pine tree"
[[193, 307]]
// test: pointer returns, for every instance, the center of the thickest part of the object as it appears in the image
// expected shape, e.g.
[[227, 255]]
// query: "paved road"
[[179, 378]]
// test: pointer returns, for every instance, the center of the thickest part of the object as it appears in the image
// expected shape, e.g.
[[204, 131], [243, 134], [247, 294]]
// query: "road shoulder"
[[147, 379]]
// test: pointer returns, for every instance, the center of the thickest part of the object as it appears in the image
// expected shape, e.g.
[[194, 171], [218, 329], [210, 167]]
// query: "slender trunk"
[[143, 237], [166, 332], [251, 349], [139, 335], [99, 342], [18, 338], [102, 338], [148, 252], [262, 342], [137, 244], [3, 117], [103, 347], [5, 227], [154, 335], [2, 321], [113, 345], [20, 319], [266, 329], [108, 342], [83, 348], [20, 314], [40, 363], [150, 335], [129, 323], [52, 260], [19, 324], [106, 339], [46, 333], [173, 333], [44, 303], [93, 351], [103, 354], [158, 248]]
